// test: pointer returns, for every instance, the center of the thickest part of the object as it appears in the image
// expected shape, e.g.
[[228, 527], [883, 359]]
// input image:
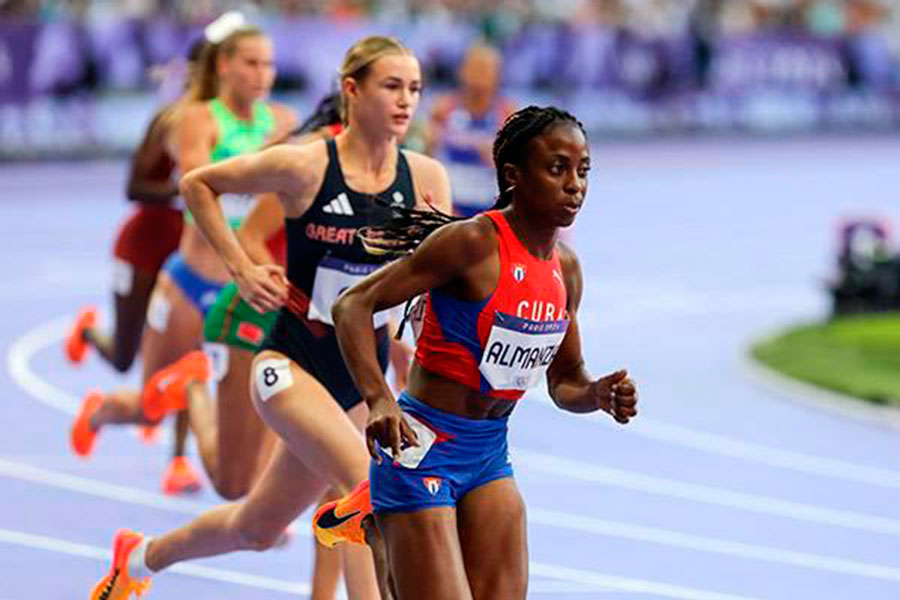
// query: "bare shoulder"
[[194, 112], [471, 240], [161, 123], [430, 178], [307, 162], [422, 163]]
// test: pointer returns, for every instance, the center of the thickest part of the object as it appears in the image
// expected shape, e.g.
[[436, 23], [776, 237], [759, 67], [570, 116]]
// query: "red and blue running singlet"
[[501, 345]]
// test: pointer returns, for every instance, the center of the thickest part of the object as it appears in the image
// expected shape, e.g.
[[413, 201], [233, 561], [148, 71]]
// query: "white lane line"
[[573, 581], [721, 445], [37, 339], [672, 488], [711, 545], [536, 515], [107, 491], [18, 365], [52, 544], [625, 584], [19, 357], [20, 353]]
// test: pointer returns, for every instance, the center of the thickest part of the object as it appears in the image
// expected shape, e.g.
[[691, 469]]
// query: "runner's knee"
[[256, 536], [231, 486]]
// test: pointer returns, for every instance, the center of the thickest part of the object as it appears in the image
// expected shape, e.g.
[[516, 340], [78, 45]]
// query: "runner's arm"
[[264, 221], [571, 386], [142, 187], [273, 170], [445, 254]]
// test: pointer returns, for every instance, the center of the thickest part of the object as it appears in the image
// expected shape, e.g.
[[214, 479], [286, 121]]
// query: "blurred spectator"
[[632, 64]]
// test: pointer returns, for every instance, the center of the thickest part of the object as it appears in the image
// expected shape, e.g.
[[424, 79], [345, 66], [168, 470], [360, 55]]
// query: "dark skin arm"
[[449, 257], [570, 385], [142, 186]]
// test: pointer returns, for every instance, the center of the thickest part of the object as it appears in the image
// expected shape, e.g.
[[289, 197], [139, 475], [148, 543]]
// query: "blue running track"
[[723, 488]]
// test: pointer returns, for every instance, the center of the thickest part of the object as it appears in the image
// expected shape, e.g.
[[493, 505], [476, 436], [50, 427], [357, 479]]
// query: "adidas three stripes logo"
[[339, 206]]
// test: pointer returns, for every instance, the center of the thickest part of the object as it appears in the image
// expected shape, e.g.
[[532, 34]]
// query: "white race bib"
[[412, 456], [416, 317], [333, 276], [518, 351]]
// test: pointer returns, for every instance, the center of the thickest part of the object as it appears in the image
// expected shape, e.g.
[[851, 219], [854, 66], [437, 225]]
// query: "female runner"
[[237, 73], [329, 191], [145, 241], [501, 313]]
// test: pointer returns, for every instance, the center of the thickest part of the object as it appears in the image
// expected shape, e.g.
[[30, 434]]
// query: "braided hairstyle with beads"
[[408, 227]]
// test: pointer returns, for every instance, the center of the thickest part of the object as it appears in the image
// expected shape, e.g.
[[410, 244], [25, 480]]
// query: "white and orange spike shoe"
[[118, 584]]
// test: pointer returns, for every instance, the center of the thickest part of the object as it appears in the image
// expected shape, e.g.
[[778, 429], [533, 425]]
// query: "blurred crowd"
[[713, 17], [624, 66], [688, 32]]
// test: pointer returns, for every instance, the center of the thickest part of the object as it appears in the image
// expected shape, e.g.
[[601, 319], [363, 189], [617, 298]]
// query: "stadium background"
[[730, 139]]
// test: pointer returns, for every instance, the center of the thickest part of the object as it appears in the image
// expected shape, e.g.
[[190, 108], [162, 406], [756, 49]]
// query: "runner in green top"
[[237, 136], [226, 117]]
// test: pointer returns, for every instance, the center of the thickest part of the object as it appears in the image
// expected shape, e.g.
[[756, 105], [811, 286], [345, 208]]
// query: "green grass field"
[[859, 356]]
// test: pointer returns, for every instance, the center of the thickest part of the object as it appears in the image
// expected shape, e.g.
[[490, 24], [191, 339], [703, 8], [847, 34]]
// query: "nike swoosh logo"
[[329, 520]]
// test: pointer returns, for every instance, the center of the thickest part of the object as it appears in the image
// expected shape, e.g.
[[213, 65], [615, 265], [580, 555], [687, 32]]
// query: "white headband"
[[224, 26]]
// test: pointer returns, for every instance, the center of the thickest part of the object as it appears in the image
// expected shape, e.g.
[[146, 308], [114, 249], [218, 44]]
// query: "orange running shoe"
[[82, 437], [165, 391], [76, 346], [180, 477], [118, 584], [341, 520]]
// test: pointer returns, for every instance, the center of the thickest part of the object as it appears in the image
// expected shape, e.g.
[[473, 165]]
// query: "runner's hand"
[[387, 426], [617, 395], [263, 287]]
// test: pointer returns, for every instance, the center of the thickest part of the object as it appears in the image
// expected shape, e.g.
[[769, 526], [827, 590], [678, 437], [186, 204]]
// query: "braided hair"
[[408, 227], [327, 112]]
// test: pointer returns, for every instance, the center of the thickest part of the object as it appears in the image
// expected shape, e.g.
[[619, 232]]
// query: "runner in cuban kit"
[[501, 315]]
